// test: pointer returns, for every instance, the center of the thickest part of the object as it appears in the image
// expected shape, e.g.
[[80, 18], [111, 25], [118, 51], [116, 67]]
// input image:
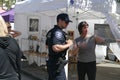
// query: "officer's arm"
[[59, 47]]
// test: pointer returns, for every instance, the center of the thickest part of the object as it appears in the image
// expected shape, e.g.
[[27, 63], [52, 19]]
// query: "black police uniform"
[[55, 36]]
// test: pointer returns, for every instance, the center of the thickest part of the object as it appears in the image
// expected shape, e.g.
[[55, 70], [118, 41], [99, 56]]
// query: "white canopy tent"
[[94, 11], [47, 5], [87, 9], [40, 5], [50, 8]]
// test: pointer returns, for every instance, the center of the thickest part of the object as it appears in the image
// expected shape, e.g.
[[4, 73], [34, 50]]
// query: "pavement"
[[37, 72], [27, 77], [107, 70]]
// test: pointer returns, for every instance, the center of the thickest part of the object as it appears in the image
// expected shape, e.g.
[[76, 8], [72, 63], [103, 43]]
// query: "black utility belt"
[[61, 63]]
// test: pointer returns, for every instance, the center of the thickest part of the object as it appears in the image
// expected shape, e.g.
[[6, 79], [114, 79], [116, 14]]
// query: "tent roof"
[[89, 9], [45, 5], [9, 12], [82, 14], [8, 15], [8, 18], [39, 5]]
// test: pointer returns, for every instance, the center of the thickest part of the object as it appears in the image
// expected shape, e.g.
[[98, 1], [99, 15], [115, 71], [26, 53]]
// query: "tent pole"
[[66, 67]]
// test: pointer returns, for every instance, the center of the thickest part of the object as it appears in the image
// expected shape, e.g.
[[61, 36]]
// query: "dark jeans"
[[52, 72], [86, 68]]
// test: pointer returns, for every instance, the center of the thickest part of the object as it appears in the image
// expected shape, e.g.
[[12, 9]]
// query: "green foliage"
[[7, 3], [118, 1], [1, 1]]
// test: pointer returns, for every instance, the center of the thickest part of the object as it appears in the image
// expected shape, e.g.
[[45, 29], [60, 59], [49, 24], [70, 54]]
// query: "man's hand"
[[14, 33], [70, 42]]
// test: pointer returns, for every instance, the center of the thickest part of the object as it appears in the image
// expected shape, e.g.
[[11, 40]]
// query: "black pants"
[[86, 68], [52, 72]]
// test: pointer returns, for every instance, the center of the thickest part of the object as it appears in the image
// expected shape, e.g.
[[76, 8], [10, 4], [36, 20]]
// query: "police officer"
[[57, 47]]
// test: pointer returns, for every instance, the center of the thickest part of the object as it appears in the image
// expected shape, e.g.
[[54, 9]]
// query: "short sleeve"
[[58, 38]]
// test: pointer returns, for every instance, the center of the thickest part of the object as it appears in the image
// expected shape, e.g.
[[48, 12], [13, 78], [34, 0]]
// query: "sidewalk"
[[39, 73], [107, 70]]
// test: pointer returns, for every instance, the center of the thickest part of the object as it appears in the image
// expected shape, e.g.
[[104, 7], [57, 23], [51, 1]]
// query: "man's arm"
[[99, 39], [59, 47], [102, 40], [15, 33], [118, 40]]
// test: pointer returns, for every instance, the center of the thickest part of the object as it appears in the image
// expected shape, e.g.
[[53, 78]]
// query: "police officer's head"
[[63, 20], [82, 27]]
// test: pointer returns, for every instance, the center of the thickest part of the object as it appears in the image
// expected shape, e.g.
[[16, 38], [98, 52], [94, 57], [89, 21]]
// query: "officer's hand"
[[70, 42]]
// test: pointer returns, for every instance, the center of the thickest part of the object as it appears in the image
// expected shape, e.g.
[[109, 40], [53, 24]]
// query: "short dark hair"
[[81, 25]]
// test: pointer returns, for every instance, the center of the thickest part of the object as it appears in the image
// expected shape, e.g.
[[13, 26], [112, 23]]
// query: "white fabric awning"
[[91, 9], [40, 5], [88, 9]]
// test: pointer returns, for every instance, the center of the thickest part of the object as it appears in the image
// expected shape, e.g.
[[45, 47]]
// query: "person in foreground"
[[10, 55], [57, 47], [85, 47]]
